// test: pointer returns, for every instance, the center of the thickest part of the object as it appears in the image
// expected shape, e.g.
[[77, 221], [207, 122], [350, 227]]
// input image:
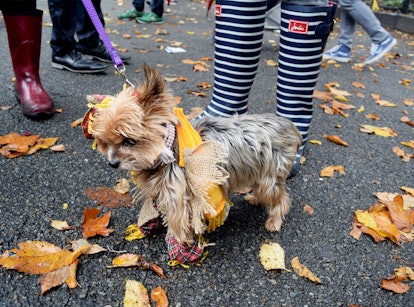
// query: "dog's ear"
[[154, 84]]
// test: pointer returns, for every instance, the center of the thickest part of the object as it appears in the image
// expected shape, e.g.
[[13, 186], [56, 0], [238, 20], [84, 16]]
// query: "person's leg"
[[347, 29], [136, 11], [64, 18], [364, 16], [86, 32], [157, 7], [24, 32], [238, 44], [304, 30]]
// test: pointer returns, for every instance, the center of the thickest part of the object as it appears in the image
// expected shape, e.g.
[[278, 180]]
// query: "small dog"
[[134, 133]]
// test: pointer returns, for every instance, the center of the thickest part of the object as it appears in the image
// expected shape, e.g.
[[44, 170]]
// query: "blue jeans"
[[70, 17], [157, 6], [353, 12]]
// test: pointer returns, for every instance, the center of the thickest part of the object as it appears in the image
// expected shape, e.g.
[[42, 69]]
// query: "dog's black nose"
[[114, 164]]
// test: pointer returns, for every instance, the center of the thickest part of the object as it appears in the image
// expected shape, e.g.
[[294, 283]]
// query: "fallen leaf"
[[308, 209], [91, 250], [394, 284], [408, 144], [136, 295], [336, 139], [109, 198], [61, 225], [93, 225], [380, 131], [38, 257], [159, 296], [372, 116], [408, 190], [329, 170], [405, 120], [122, 186], [55, 278], [58, 148], [272, 256], [385, 103], [315, 142], [358, 85], [303, 271], [132, 260]]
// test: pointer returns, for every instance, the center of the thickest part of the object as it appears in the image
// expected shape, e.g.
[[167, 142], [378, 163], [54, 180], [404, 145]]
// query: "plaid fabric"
[[152, 227], [183, 253]]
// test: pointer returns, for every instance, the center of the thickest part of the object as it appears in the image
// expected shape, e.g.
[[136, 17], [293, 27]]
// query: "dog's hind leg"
[[277, 202]]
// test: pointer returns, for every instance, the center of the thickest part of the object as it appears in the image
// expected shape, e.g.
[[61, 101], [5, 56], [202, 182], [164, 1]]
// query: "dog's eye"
[[128, 142]]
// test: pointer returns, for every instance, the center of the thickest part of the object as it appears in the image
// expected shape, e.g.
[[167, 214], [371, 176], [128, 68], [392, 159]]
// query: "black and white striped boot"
[[303, 34]]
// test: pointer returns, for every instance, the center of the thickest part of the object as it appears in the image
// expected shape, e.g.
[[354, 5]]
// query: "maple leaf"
[[93, 225], [129, 260], [303, 271], [136, 295], [38, 257]]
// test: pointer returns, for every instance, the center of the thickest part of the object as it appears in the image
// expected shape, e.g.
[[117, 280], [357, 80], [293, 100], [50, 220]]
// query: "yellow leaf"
[[404, 272], [122, 186], [42, 143], [315, 142], [303, 271], [361, 109], [136, 295], [133, 233], [271, 63], [60, 225], [38, 257], [408, 190], [272, 256], [380, 131], [366, 219]]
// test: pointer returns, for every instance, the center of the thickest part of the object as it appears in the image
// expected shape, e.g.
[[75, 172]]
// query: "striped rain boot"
[[238, 45], [303, 34]]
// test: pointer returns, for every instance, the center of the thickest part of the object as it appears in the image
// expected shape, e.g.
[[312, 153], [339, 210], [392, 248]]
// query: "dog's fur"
[[261, 151]]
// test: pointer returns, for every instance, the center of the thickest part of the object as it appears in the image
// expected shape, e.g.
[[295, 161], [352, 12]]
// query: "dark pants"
[[157, 6], [69, 17]]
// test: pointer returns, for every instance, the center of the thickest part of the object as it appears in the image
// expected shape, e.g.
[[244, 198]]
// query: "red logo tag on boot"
[[298, 26], [217, 10]]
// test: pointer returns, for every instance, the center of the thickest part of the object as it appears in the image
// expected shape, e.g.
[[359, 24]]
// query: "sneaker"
[[150, 18], [339, 53], [131, 14], [379, 50]]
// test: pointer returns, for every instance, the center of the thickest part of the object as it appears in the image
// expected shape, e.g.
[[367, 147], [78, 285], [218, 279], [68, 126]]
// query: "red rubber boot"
[[24, 35]]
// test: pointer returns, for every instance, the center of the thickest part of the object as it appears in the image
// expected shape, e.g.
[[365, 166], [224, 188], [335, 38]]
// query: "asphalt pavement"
[[33, 189]]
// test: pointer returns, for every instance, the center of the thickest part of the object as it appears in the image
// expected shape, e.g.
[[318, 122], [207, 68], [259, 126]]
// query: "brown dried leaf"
[[329, 170], [303, 271], [128, 260], [336, 139], [406, 120], [324, 96], [93, 225], [159, 296], [53, 279], [394, 284], [109, 198], [358, 85], [308, 209]]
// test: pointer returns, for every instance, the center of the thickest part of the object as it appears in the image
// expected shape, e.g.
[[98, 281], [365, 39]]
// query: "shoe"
[[379, 50], [100, 53], [339, 53], [150, 18], [131, 14], [77, 62]]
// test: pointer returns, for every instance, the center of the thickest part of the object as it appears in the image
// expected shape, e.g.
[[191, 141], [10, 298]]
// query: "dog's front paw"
[[273, 224]]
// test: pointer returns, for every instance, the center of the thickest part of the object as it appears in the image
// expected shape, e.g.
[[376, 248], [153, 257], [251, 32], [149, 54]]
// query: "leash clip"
[[122, 71]]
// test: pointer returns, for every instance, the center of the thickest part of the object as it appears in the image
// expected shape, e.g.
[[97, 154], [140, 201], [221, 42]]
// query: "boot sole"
[[83, 71]]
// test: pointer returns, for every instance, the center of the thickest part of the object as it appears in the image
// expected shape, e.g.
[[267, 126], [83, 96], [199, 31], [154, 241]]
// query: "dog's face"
[[131, 131]]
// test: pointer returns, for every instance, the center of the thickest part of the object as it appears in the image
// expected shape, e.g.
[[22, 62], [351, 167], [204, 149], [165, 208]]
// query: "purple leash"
[[116, 60]]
